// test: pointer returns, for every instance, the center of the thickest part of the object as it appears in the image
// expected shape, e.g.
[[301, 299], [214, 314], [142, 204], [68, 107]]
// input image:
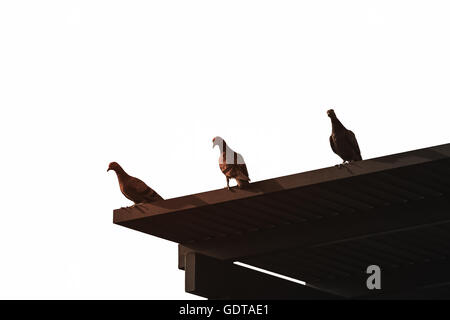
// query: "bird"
[[231, 164], [133, 188], [343, 141]]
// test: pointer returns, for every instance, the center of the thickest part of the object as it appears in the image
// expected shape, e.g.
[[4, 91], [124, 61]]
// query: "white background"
[[149, 84]]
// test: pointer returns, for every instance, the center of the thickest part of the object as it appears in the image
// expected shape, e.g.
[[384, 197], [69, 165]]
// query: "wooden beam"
[[391, 219], [214, 279], [182, 252]]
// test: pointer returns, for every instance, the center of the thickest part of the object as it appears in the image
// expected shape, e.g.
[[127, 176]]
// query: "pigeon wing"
[[237, 171], [137, 186], [138, 191], [243, 172], [351, 138], [152, 195], [332, 144], [242, 167]]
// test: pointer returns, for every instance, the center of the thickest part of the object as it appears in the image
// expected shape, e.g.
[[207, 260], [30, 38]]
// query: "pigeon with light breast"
[[231, 164], [343, 141], [133, 188]]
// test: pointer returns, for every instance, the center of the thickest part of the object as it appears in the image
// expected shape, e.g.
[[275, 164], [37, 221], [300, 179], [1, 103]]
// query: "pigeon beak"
[[108, 169]]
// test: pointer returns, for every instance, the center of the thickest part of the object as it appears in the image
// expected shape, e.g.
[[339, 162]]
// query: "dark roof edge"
[[293, 181]]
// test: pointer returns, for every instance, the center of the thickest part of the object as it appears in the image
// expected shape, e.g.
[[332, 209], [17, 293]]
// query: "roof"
[[323, 226]]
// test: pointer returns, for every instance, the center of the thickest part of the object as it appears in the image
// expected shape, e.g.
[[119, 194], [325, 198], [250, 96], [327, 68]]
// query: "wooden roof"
[[323, 226]]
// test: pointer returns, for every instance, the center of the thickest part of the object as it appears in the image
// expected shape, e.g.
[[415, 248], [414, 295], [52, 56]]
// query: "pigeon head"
[[217, 141], [113, 166], [331, 113]]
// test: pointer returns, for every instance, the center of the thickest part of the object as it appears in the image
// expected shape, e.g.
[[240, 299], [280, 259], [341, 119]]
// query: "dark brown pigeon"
[[133, 188], [232, 164], [343, 141]]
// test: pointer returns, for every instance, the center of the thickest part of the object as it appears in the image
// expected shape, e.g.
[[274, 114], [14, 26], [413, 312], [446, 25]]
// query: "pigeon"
[[133, 188], [343, 141], [232, 164]]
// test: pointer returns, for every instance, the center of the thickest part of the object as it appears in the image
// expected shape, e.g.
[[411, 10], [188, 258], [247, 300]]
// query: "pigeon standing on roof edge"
[[133, 188], [231, 164], [343, 141]]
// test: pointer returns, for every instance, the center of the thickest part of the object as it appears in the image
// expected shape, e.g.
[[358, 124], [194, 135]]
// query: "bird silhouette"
[[133, 188], [231, 164], [343, 141]]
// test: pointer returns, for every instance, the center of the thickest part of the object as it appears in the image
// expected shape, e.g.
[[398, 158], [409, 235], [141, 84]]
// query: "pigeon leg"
[[340, 165], [228, 183]]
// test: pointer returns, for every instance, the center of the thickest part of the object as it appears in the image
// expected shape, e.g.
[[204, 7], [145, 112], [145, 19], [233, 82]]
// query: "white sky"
[[149, 83]]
